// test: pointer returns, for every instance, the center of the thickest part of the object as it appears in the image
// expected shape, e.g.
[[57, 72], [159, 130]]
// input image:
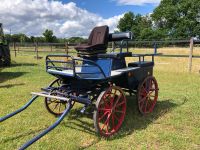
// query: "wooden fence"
[[69, 47]]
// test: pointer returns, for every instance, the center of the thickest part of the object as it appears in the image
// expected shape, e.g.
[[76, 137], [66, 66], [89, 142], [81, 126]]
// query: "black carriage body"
[[85, 73]]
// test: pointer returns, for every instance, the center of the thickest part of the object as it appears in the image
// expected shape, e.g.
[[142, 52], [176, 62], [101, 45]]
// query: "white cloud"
[[111, 22], [32, 17], [137, 2]]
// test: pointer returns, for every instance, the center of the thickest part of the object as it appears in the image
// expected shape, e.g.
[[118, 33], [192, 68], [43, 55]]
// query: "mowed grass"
[[174, 124]]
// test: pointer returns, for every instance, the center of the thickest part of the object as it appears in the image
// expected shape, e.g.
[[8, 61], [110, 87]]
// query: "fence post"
[[66, 48], [14, 47], [36, 49], [191, 54], [51, 48], [155, 48], [35, 46]]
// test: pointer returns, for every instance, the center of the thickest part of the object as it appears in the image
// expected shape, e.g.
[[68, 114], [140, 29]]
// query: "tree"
[[49, 37], [178, 18], [138, 24], [126, 22], [76, 40]]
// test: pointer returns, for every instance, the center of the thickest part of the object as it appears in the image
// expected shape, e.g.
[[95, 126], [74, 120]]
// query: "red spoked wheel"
[[110, 111], [147, 95]]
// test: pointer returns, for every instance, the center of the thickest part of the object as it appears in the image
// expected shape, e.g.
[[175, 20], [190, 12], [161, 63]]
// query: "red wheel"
[[147, 95], [110, 111]]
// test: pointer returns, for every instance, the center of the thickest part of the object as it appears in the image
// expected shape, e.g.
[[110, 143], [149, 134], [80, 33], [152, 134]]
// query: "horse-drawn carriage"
[[98, 80]]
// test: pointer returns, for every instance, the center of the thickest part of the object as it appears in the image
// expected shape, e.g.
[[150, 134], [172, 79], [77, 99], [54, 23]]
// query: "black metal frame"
[[73, 63], [143, 56]]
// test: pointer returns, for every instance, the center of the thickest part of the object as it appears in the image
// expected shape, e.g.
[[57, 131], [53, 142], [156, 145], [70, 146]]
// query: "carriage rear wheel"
[[55, 106], [110, 111], [147, 95]]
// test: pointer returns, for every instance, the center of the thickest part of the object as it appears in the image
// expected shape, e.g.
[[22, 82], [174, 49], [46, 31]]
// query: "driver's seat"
[[97, 42]]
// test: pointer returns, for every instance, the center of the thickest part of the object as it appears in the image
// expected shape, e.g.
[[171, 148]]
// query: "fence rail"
[[69, 47]]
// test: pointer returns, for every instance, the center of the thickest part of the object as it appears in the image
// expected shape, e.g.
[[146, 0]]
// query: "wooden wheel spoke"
[[107, 101], [144, 89], [150, 92], [103, 116], [113, 121], [105, 109], [107, 126], [58, 83], [60, 107], [150, 83], [142, 100], [117, 100], [55, 106], [108, 95], [116, 117], [106, 105], [105, 123], [119, 104]]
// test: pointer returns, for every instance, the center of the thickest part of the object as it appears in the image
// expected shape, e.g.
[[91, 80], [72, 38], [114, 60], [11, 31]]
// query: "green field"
[[174, 124]]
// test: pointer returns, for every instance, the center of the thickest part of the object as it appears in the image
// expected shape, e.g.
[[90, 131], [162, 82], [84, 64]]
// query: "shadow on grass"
[[11, 85], [136, 121], [4, 76], [32, 132], [23, 64], [14, 64], [75, 118], [133, 121]]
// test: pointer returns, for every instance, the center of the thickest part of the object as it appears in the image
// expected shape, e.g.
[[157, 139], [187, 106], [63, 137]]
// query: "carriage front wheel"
[[147, 95], [55, 106], [110, 111]]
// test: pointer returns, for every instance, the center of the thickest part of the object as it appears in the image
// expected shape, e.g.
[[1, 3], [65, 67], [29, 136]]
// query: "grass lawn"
[[174, 124]]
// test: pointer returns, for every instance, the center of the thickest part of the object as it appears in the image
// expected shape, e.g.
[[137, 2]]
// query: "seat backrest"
[[99, 35]]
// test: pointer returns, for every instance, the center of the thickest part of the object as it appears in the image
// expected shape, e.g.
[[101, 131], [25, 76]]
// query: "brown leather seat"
[[97, 42]]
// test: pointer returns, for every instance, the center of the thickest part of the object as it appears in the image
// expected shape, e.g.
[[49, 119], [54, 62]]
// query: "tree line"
[[171, 19], [48, 37]]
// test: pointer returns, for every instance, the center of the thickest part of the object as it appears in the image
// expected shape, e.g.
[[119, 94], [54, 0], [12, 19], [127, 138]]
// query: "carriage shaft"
[[33, 140], [19, 110], [78, 99]]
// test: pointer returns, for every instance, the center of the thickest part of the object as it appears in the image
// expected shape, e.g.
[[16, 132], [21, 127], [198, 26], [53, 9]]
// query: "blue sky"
[[109, 8], [67, 18]]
